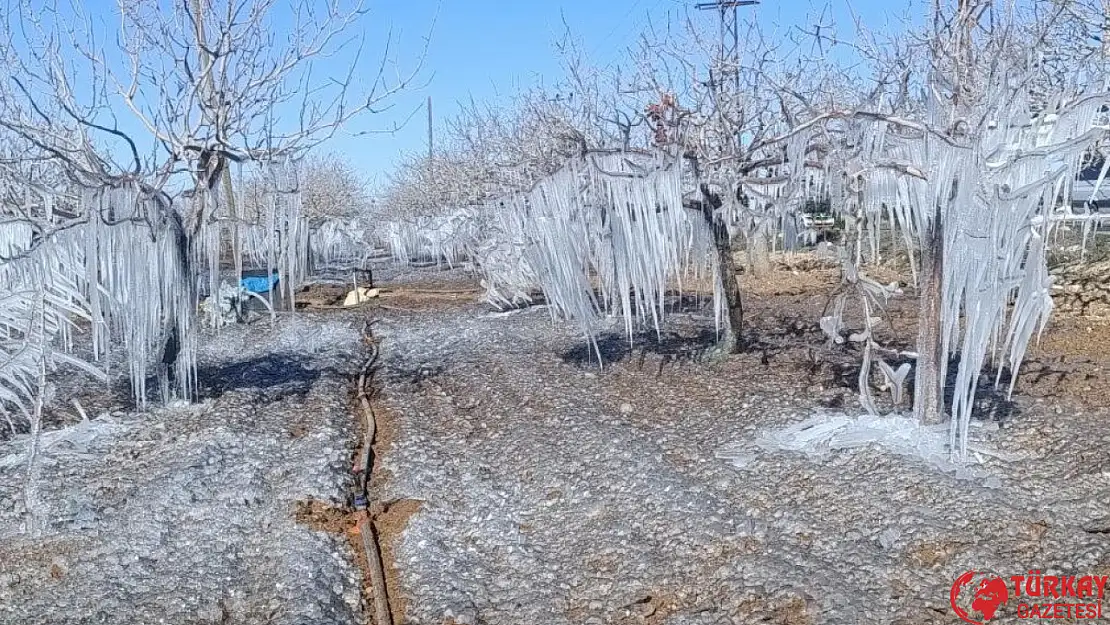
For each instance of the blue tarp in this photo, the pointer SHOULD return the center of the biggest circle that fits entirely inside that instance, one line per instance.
(259, 284)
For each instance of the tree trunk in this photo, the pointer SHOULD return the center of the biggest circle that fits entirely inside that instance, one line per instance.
(733, 341)
(928, 384)
(759, 251)
(233, 213)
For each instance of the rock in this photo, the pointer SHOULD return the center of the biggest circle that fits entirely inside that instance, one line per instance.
(888, 537)
(465, 615)
(359, 295)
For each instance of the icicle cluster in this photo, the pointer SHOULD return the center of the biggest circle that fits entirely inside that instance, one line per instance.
(500, 256)
(446, 238)
(994, 192)
(489, 238)
(287, 248)
(341, 242)
(277, 242)
(607, 234)
(38, 296)
(123, 272)
(142, 269)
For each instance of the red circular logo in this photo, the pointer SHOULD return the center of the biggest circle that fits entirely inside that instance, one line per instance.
(989, 594)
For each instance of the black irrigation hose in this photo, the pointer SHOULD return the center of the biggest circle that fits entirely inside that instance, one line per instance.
(370, 546)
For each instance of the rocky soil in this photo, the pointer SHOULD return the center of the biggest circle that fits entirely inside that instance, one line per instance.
(524, 483)
(186, 514)
(1081, 287)
(555, 491)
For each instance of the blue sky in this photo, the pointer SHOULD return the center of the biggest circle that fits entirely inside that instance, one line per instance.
(487, 49)
(490, 49)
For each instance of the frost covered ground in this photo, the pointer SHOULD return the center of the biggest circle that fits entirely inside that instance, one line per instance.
(555, 492)
(524, 485)
(185, 514)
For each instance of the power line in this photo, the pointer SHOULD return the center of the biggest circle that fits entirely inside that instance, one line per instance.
(624, 20)
(630, 26)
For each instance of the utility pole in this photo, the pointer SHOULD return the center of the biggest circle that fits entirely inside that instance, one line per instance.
(729, 61)
(430, 151)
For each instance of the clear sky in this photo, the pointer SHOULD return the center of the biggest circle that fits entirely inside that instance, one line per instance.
(490, 49)
(487, 49)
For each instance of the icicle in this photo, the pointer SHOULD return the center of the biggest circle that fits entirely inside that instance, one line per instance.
(123, 272)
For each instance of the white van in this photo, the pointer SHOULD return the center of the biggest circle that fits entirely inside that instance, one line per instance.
(1083, 194)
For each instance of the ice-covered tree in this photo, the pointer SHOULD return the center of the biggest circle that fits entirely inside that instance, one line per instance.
(963, 136)
(970, 174)
(120, 147)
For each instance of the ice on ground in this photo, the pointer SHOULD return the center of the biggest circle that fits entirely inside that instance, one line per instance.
(187, 514)
(557, 492)
(74, 439)
(826, 433)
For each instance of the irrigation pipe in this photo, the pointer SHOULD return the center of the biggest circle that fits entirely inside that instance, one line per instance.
(370, 546)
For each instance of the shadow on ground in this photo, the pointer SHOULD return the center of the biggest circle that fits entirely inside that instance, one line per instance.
(841, 370)
(615, 347)
(283, 373)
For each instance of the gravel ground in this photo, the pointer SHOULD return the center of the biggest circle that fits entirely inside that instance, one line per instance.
(184, 514)
(530, 486)
(557, 492)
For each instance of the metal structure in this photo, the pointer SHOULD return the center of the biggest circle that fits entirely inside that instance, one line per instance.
(729, 60)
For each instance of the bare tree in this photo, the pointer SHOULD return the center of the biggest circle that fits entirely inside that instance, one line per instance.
(110, 135)
(961, 136)
(330, 187)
